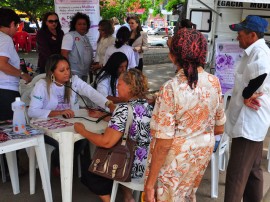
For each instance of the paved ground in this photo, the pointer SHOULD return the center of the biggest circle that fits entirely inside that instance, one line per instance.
(157, 75)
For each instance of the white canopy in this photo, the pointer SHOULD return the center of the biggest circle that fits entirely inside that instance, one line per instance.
(252, 1)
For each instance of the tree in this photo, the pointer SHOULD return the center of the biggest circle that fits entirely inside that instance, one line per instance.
(33, 8)
(178, 7)
(122, 8)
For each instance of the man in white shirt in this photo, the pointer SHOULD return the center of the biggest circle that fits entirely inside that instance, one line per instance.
(248, 113)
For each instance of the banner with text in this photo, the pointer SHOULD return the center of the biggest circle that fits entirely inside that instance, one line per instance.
(228, 54)
(67, 8)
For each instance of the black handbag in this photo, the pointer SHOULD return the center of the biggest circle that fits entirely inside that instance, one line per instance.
(116, 162)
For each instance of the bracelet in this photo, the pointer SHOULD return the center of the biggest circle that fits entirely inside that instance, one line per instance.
(108, 103)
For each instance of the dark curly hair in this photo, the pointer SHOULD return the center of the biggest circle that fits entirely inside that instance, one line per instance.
(45, 18)
(77, 17)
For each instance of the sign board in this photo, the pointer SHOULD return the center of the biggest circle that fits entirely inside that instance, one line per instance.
(228, 54)
(67, 8)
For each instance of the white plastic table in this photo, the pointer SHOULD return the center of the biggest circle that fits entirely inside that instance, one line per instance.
(66, 138)
(37, 146)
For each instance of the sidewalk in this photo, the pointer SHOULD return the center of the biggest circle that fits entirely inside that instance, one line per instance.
(157, 74)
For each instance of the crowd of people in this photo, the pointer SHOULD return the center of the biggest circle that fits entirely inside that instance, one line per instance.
(175, 135)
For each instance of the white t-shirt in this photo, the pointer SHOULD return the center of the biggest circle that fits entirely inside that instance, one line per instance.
(68, 44)
(104, 87)
(116, 27)
(127, 50)
(8, 50)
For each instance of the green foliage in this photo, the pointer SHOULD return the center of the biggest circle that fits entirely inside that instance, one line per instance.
(33, 8)
(122, 8)
(170, 5)
(173, 3)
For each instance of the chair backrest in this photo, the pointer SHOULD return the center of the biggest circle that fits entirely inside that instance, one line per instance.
(27, 89)
(21, 37)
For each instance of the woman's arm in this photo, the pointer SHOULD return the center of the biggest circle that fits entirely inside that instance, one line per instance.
(144, 41)
(65, 53)
(159, 154)
(116, 99)
(11, 70)
(106, 140)
(67, 45)
(218, 130)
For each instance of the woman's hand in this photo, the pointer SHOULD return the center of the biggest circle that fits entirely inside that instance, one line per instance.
(79, 127)
(149, 195)
(26, 77)
(68, 113)
(95, 113)
(95, 67)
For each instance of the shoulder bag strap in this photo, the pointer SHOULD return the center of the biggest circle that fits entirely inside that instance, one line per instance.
(128, 124)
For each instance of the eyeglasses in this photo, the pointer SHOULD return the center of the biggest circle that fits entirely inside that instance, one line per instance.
(52, 21)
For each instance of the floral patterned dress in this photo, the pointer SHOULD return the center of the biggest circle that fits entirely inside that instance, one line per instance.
(187, 116)
(139, 131)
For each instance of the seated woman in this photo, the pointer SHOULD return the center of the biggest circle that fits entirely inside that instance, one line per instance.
(107, 78)
(132, 86)
(53, 95)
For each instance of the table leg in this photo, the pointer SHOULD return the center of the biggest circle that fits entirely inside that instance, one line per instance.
(3, 170)
(43, 168)
(66, 148)
(32, 169)
(13, 171)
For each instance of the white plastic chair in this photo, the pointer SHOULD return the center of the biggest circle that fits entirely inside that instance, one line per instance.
(136, 185)
(268, 157)
(220, 158)
(26, 98)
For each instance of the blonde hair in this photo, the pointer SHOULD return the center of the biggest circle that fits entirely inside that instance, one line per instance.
(137, 81)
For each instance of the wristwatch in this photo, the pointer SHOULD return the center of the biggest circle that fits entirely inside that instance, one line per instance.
(108, 103)
(22, 73)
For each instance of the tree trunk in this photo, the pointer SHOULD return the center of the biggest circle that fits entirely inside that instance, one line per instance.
(181, 11)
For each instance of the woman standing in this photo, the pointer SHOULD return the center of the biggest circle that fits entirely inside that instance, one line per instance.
(10, 72)
(138, 40)
(105, 40)
(187, 114)
(107, 79)
(120, 45)
(49, 39)
(76, 46)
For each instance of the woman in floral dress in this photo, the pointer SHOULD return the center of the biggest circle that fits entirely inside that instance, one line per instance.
(132, 85)
(187, 114)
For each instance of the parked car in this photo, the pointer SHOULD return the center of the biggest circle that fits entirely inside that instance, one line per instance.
(160, 31)
(146, 28)
(161, 42)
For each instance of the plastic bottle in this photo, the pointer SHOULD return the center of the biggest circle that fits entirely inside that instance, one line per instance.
(19, 121)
